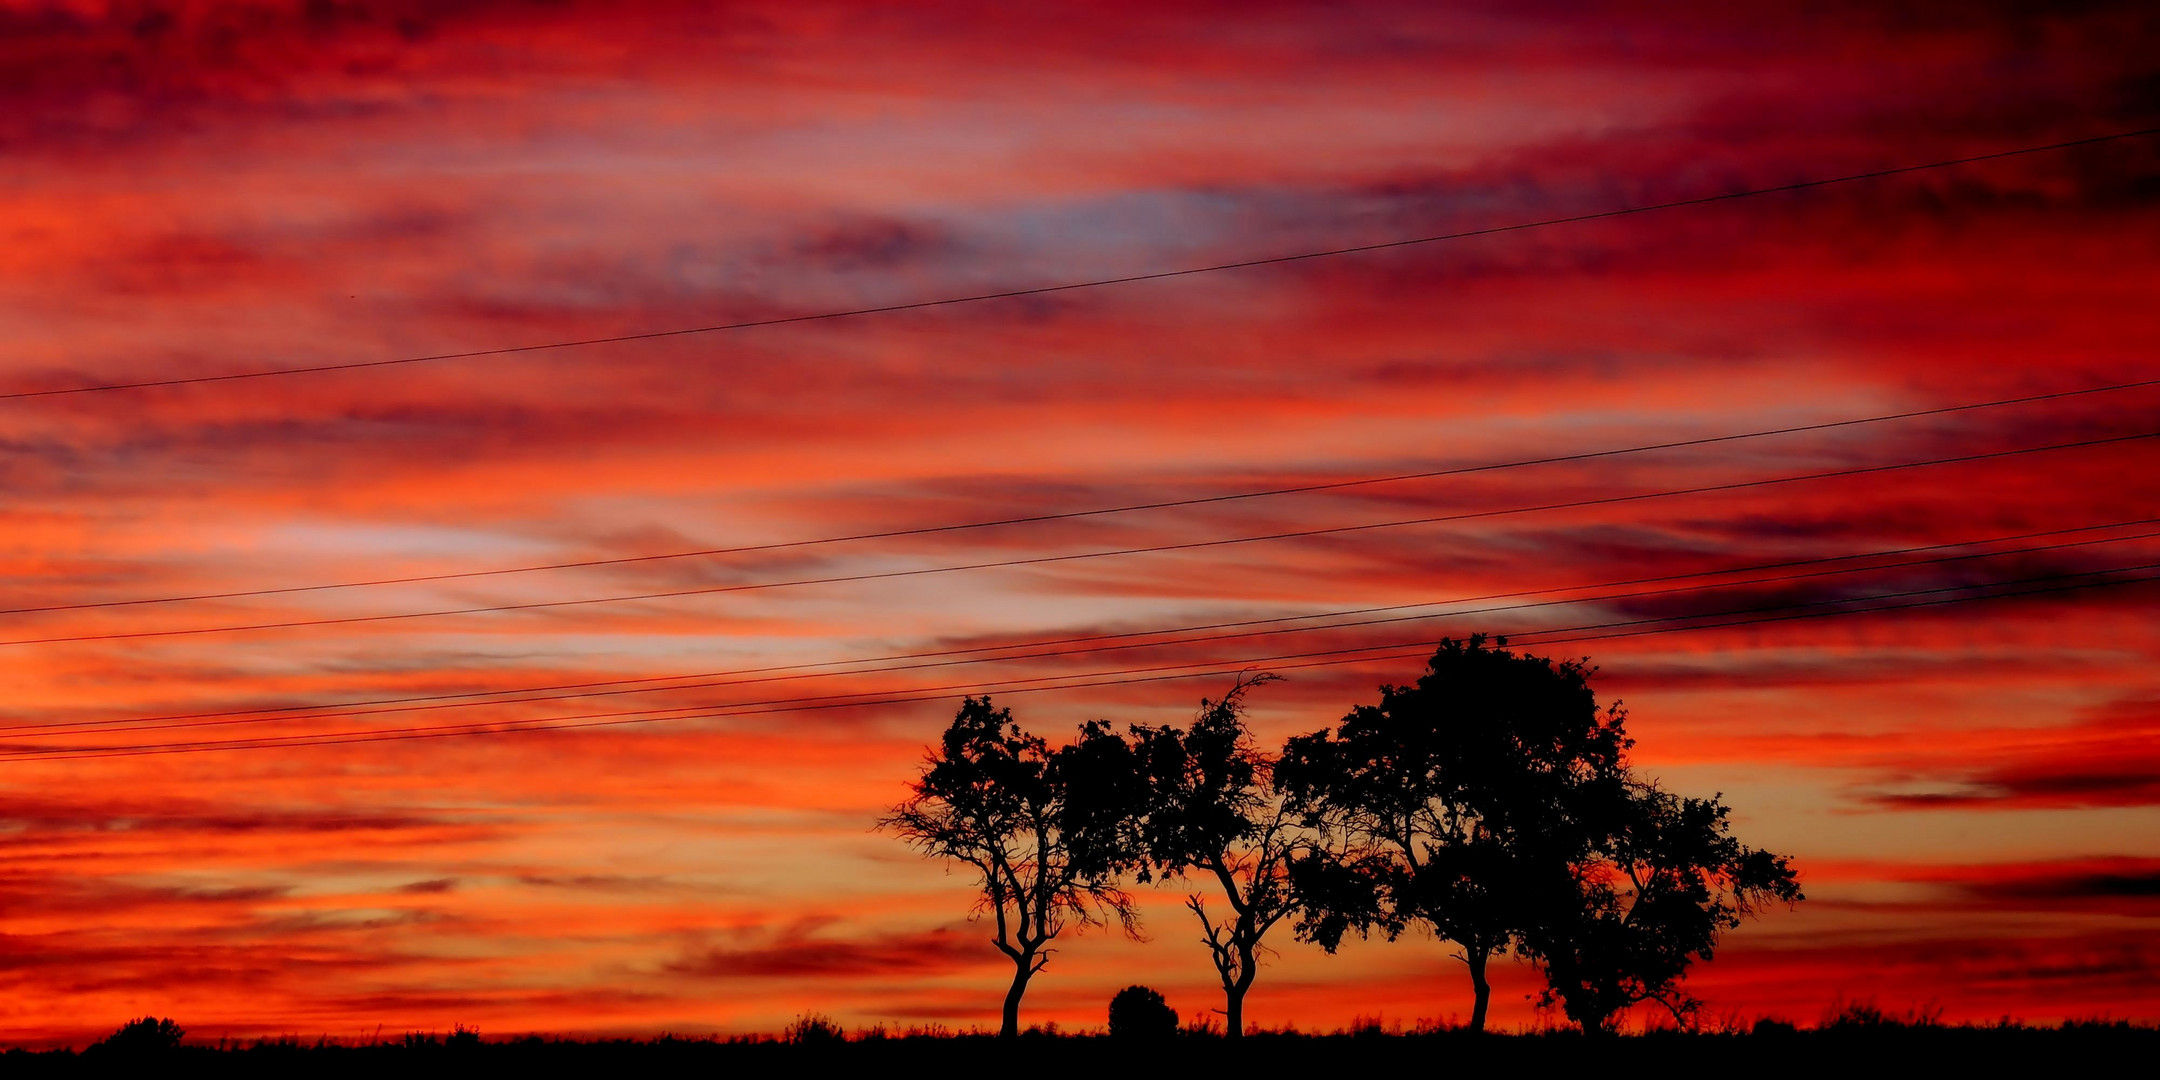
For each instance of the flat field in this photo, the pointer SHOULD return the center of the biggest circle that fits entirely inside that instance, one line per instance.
(1924, 1049)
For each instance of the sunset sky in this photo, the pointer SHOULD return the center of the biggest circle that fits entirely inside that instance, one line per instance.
(1970, 790)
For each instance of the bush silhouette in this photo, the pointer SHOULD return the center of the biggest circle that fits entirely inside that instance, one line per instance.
(1140, 1013)
(813, 1029)
(148, 1035)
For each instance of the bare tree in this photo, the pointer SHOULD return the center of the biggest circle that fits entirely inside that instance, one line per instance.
(1210, 809)
(1039, 828)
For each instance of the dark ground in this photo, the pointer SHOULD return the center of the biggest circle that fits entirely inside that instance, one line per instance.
(1923, 1050)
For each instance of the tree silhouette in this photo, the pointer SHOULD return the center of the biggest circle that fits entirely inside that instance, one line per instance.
(1667, 879)
(1137, 1012)
(1210, 809)
(1044, 831)
(1448, 801)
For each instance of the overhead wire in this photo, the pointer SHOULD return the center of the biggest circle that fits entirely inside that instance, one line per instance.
(1623, 628)
(1091, 283)
(1094, 644)
(1041, 560)
(680, 678)
(1070, 515)
(1197, 501)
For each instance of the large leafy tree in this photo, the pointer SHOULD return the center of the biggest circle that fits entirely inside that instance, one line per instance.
(1443, 804)
(1045, 832)
(1209, 812)
(1667, 878)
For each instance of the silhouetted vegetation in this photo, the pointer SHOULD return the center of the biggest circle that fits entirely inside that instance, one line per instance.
(1858, 1035)
(1048, 845)
(1491, 803)
(1663, 880)
(1138, 1012)
(1209, 808)
(814, 1030)
(1453, 802)
(147, 1036)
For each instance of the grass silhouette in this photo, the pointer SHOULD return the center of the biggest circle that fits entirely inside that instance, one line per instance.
(1849, 1036)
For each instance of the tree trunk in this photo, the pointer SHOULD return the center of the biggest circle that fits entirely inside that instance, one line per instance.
(1234, 989)
(1478, 986)
(1023, 970)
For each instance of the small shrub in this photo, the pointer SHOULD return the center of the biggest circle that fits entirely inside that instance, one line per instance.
(1140, 1013)
(1371, 1027)
(1859, 1016)
(813, 1029)
(148, 1035)
(1856, 1016)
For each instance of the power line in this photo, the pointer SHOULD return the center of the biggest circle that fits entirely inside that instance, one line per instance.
(1301, 655)
(923, 661)
(1093, 283)
(1040, 560)
(680, 679)
(929, 530)
(820, 703)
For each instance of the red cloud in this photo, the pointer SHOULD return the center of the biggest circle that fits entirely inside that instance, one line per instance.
(797, 952)
(2112, 758)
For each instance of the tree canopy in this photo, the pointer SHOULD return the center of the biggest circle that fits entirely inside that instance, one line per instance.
(1047, 843)
(1208, 809)
(1446, 799)
(1665, 880)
